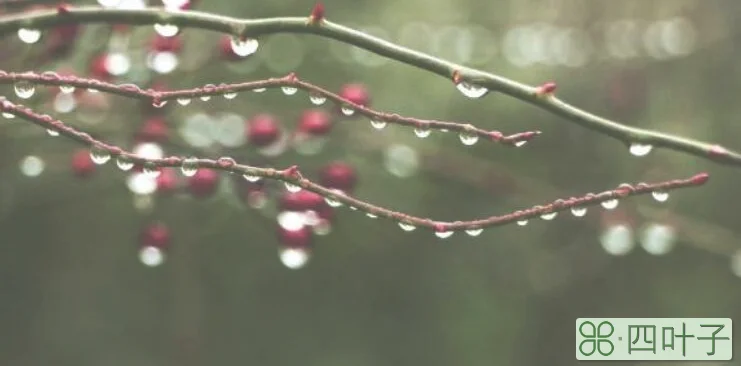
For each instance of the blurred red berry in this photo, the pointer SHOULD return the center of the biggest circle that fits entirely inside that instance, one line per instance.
(154, 129)
(263, 130)
(203, 183)
(338, 175)
(315, 122)
(167, 180)
(98, 68)
(225, 46)
(155, 235)
(295, 238)
(82, 164)
(302, 200)
(166, 44)
(356, 93)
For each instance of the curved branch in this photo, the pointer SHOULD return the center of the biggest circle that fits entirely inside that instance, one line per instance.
(293, 176)
(291, 80)
(461, 75)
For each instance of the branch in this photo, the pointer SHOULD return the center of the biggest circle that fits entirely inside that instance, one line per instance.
(472, 82)
(293, 178)
(159, 98)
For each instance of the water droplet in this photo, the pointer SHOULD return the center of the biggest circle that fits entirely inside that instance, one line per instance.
(443, 234)
(24, 89)
(230, 95)
(468, 138)
(99, 155)
(29, 35)
(520, 143)
(93, 90)
(289, 90)
(370, 215)
(406, 226)
(658, 239)
(52, 133)
(66, 89)
(259, 90)
(610, 204)
(378, 124)
(207, 87)
(640, 149)
(183, 101)
(422, 131)
(8, 115)
(617, 239)
(124, 162)
(158, 103)
(189, 167)
(578, 211)
(474, 232)
(471, 90)
(549, 216)
(348, 111)
(332, 202)
(151, 170)
(290, 187)
(317, 99)
(251, 178)
(151, 256)
(32, 166)
(244, 47)
(522, 222)
(166, 30)
(294, 258)
(660, 196)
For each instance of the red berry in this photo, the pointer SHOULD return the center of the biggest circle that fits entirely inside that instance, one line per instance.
(154, 129)
(98, 69)
(356, 93)
(302, 200)
(315, 122)
(295, 238)
(82, 164)
(338, 175)
(263, 130)
(167, 180)
(166, 44)
(203, 183)
(155, 235)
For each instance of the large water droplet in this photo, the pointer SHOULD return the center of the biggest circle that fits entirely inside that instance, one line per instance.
(32, 166)
(8, 115)
(578, 211)
(294, 258)
(471, 90)
(522, 222)
(549, 216)
(230, 95)
(124, 162)
(520, 143)
(244, 47)
(52, 133)
(378, 124)
(443, 234)
(151, 170)
(610, 204)
(290, 187)
(617, 240)
(660, 196)
(259, 90)
(348, 111)
(24, 89)
(66, 89)
(332, 202)
(166, 30)
(640, 149)
(422, 131)
(317, 99)
(289, 90)
(475, 232)
(372, 216)
(406, 226)
(158, 103)
(151, 256)
(251, 178)
(468, 138)
(189, 167)
(658, 239)
(99, 155)
(29, 35)
(183, 101)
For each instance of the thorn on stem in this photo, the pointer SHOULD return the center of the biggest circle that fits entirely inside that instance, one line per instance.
(700, 179)
(63, 8)
(457, 78)
(317, 15)
(292, 172)
(546, 89)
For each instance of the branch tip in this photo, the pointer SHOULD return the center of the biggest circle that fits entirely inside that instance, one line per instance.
(700, 179)
(546, 89)
(317, 14)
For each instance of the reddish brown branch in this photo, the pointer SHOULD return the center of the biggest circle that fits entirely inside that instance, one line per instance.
(290, 80)
(293, 176)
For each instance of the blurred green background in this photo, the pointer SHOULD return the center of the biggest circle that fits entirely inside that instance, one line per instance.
(73, 291)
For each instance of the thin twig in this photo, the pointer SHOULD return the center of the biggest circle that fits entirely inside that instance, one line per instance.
(159, 98)
(245, 28)
(293, 176)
